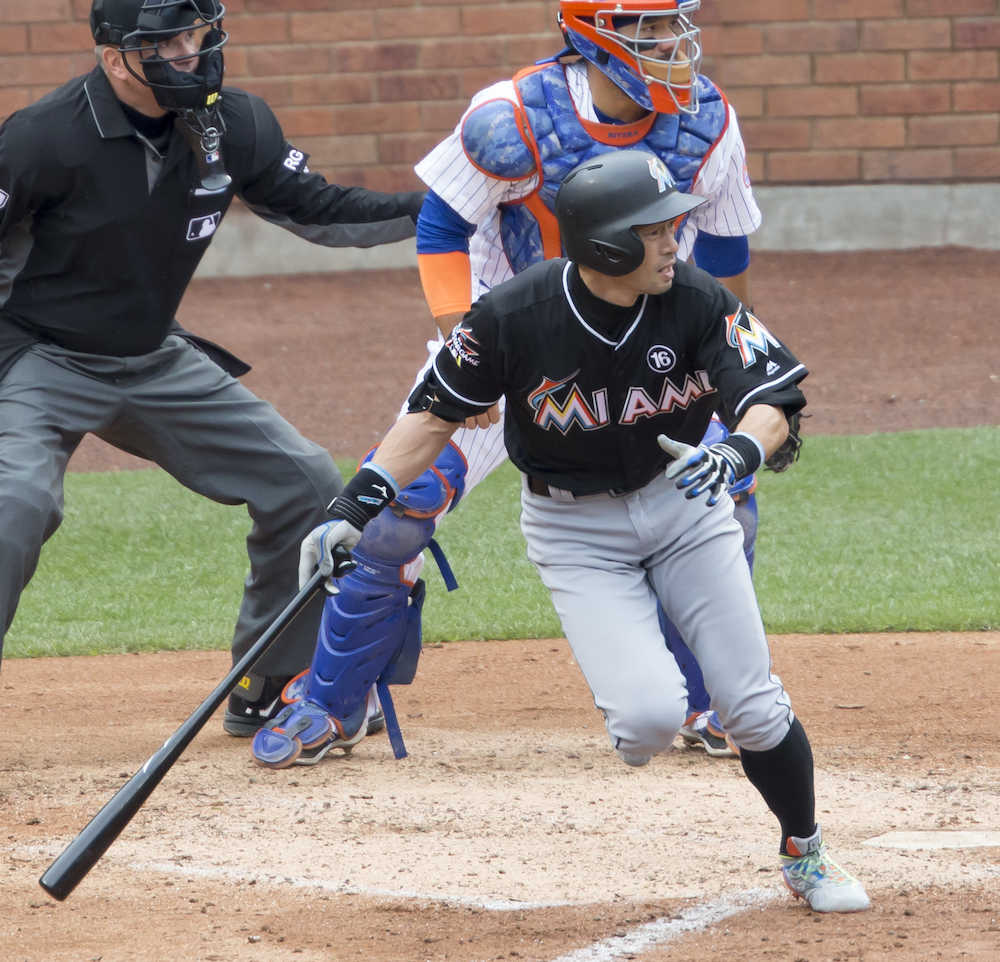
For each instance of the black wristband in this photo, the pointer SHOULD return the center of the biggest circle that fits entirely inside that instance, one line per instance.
(743, 452)
(364, 496)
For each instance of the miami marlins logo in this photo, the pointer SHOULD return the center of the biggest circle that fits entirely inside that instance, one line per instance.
(745, 333)
(658, 171)
(463, 346)
(574, 409)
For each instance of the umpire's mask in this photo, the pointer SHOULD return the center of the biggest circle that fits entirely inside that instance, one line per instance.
(176, 50)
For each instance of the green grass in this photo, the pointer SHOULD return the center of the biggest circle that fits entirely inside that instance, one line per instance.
(890, 532)
(893, 532)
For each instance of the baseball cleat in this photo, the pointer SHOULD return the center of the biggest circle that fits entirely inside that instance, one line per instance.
(244, 717)
(337, 738)
(704, 730)
(300, 726)
(296, 689)
(811, 874)
(633, 759)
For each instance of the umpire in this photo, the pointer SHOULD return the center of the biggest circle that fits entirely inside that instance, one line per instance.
(111, 188)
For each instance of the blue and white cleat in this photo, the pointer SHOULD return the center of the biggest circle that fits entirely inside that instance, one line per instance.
(303, 725)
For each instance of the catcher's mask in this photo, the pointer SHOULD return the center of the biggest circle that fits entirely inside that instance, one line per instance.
(174, 47)
(648, 48)
(601, 202)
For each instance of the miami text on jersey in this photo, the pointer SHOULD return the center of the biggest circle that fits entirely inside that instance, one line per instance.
(575, 409)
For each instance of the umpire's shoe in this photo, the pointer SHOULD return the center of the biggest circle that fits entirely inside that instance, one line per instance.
(254, 702)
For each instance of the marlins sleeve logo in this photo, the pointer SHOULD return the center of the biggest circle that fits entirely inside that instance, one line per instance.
(745, 333)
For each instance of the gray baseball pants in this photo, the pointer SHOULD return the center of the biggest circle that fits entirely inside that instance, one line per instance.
(179, 409)
(606, 560)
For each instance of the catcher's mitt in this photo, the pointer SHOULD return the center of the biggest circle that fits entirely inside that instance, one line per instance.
(788, 453)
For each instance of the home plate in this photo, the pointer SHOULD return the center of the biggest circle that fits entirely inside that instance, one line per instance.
(918, 840)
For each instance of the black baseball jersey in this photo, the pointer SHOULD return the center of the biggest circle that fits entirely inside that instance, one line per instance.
(588, 388)
(100, 231)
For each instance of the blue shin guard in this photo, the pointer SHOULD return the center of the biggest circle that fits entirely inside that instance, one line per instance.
(370, 632)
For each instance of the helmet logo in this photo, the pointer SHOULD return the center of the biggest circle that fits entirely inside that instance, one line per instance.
(658, 171)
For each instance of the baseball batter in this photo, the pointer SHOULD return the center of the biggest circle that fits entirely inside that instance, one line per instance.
(611, 363)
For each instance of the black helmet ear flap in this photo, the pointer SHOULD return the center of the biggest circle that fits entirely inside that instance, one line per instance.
(613, 254)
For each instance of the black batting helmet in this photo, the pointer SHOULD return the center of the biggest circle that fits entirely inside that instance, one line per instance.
(604, 198)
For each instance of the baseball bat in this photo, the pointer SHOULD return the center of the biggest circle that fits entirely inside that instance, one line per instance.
(80, 856)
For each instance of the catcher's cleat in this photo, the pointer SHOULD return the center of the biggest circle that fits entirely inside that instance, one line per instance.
(303, 733)
(811, 874)
(246, 715)
(338, 738)
(704, 730)
(302, 725)
(296, 689)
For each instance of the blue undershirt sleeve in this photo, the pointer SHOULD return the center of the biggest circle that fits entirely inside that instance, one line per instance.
(720, 256)
(440, 230)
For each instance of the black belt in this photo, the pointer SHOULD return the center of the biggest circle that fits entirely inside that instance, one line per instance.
(540, 486)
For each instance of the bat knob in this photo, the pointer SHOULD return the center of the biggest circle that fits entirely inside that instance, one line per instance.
(343, 563)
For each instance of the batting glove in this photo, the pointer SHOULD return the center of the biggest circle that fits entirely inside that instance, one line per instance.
(318, 547)
(711, 469)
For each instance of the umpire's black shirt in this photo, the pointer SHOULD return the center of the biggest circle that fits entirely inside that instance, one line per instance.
(100, 234)
(589, 386)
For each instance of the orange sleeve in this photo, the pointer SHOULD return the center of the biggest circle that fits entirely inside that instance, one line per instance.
(447, 282)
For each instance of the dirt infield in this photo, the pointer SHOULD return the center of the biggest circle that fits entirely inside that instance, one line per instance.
(512, 831)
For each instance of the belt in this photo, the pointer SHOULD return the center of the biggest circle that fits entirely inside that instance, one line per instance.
(538, 486)
(541, 487)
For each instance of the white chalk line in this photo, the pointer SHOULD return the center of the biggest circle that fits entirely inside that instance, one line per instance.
(697, 918)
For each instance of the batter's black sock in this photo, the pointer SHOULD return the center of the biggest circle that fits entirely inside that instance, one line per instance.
(784, 777)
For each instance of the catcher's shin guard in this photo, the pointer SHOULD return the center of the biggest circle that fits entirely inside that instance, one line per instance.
(370, 632)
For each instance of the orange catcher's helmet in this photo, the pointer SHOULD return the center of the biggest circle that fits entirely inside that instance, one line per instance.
(648, 48)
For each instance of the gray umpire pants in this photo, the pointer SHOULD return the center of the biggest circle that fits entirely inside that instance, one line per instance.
(178, 408)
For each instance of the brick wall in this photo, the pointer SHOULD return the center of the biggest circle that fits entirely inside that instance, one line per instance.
(828, 91)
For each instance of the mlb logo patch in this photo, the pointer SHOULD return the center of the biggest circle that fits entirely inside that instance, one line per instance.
(201, 228)
(4, 197)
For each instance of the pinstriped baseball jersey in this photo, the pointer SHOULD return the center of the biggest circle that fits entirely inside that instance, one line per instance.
(476, 195)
